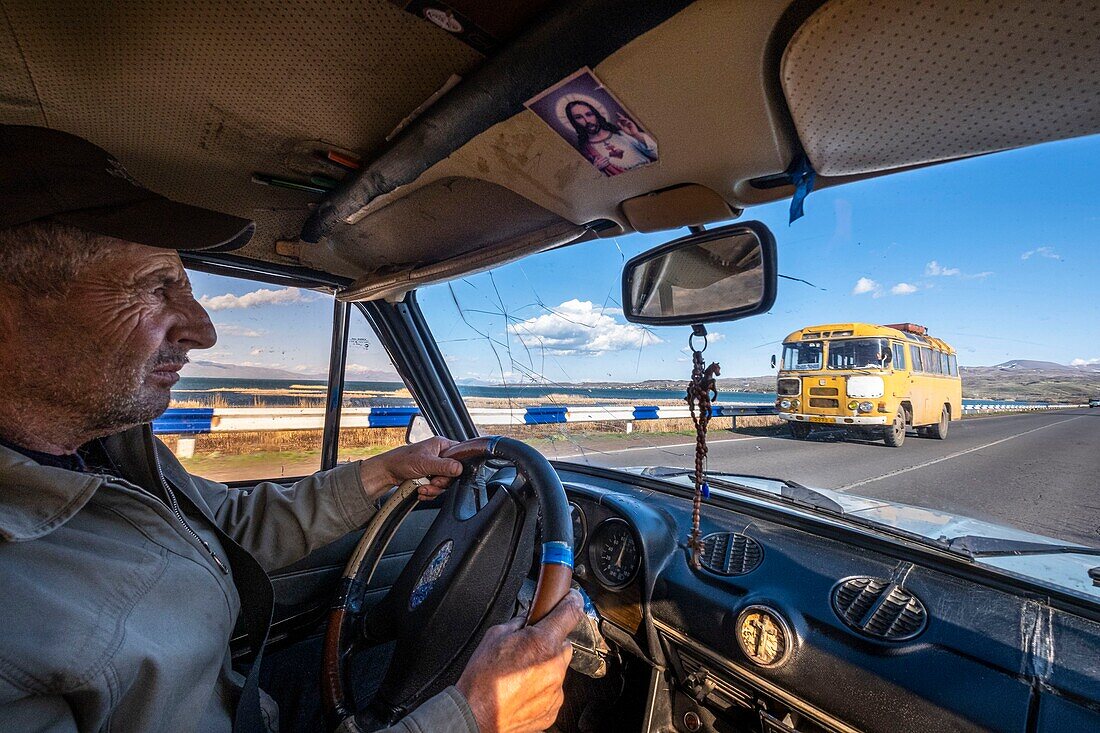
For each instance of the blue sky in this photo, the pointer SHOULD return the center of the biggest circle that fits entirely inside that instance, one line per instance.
(997, 255)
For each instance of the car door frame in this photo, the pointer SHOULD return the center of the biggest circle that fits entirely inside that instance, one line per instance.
(403, 333)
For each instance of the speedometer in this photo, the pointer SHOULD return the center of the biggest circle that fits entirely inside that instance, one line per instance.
(613, 553)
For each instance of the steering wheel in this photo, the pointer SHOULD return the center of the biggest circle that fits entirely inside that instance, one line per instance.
(463, 578)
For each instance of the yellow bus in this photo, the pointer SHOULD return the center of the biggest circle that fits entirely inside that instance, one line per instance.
(880, 380)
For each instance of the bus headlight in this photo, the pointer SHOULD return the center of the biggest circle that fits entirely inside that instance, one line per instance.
(785, 404)
(866, 407)
(853, 405)
(795, 403)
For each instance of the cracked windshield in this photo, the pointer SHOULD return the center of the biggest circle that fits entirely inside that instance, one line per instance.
(929, 361)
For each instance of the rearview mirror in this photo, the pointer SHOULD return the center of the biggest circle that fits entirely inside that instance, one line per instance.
(718, 275)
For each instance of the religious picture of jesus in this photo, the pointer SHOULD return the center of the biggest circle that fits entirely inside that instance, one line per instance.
(587, 116)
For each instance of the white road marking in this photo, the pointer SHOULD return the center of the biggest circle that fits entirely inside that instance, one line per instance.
(900, 471)
(660, 447)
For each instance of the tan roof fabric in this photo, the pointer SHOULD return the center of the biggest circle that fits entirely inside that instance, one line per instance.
(195, 96)
(880, 84)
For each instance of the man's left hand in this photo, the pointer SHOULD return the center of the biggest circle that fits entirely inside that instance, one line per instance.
(411, 461)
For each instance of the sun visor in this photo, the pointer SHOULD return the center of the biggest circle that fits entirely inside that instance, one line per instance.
(874, 85)
(445, 229)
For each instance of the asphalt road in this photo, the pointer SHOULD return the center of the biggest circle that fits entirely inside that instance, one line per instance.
(1039, 472)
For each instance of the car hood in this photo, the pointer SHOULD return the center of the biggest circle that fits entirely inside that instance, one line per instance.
(1066, 571)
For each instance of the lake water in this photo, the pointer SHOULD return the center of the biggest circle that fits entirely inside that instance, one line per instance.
(238, 393)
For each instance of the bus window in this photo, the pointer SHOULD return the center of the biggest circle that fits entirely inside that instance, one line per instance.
(914, 351)
(937, 362)
(858, 353)
(802, 356)
(899, 357)
(926, 359)
(954, 365)
(945, 366)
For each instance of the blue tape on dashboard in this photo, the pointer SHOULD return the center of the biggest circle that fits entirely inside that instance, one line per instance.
(557, 553)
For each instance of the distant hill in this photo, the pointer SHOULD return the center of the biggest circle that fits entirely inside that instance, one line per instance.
(211, 369)
(1030, 365)
(1018, 379)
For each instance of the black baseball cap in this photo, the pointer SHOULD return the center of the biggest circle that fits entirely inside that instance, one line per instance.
(47, 173)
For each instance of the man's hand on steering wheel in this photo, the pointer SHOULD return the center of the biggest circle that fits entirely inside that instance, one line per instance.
(382, 472)
(513, 681)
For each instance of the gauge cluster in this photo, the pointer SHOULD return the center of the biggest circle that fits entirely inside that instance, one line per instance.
(605, 546)
(613, 553)
(608, 557)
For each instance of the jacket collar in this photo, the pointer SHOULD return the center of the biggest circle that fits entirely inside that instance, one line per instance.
(35, 499)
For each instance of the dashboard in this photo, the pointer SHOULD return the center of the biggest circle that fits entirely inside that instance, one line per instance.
(787, 629)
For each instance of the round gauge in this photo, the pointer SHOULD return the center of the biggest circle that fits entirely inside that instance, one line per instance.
(579, 528)
(613, 553)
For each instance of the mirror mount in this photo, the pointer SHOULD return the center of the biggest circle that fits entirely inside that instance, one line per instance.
(709, 276)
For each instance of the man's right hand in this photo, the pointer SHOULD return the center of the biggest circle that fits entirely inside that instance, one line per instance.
(513, 681)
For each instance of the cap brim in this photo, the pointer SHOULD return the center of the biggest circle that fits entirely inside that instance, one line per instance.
(160, 222)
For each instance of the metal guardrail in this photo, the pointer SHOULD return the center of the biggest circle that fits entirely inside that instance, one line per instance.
(196, 421)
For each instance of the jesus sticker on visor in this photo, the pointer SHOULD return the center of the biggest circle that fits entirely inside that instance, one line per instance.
(587, 116)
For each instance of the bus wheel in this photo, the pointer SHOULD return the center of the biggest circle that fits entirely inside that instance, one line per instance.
(799, 430)
(894, 435)
(939, 430)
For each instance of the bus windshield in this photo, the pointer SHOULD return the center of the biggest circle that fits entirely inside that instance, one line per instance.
(859, 354)
(802, 356)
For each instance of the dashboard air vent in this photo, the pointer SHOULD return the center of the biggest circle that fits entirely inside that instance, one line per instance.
(727, 553)
(879, 608)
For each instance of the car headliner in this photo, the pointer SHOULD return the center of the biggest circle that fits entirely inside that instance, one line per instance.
(195, 97)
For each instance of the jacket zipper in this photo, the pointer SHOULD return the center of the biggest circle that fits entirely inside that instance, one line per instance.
(173, 504)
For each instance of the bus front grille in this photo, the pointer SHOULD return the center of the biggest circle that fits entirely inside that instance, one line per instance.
(824, 391)
(822, 402)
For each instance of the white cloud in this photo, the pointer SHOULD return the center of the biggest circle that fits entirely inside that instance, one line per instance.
(934, 269)
(904, 289)
(1085, 362)
(229, 329)
(866, 285)
(1047, 252)
(579, 327)
(256, 298)
(712, 337)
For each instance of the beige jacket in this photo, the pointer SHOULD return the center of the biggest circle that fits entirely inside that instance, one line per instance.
(113, 616)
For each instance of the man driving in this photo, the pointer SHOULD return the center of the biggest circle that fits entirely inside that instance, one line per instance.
(123, 576)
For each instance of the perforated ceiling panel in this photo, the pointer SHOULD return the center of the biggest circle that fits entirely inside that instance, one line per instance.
(195, 95)
(880, 84)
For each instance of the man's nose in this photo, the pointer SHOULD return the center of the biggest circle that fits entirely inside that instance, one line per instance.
(195, 330)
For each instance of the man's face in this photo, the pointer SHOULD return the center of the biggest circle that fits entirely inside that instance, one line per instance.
(584, 116)
(111, 349)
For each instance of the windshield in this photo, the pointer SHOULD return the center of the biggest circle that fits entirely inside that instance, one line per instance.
(981, 414)
(802, 356)
(859, 354)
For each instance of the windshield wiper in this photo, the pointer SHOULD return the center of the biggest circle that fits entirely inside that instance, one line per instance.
(796, 493)
(976, 546)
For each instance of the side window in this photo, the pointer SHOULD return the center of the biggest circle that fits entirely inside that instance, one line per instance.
(954, 365)
(945, 366)
(937, 367)
(252, 407)
(899, 357)
(377, 406)
(926, 359)
(914, 351)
